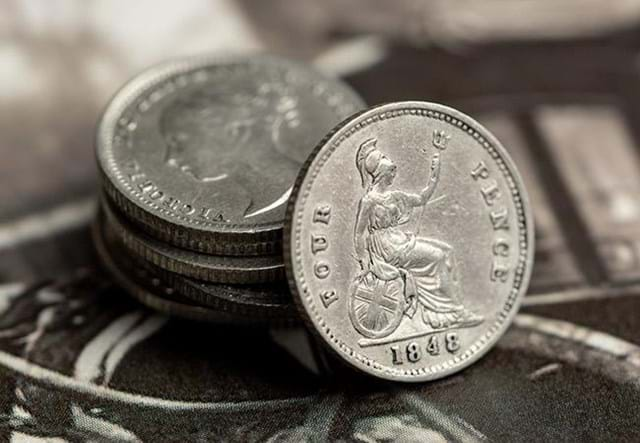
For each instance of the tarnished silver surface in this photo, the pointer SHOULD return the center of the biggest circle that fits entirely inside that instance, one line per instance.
(260, 302)
(149, 289)
(203, 152)
(409, 241)
(207, 267)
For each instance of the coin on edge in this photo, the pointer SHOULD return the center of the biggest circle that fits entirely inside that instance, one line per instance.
(409, 241)
(203, 152)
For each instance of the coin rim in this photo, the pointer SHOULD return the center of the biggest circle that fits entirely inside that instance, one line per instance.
(225, 308)
(146, 296)
(229, 269)
(291, 240)
(134, 204)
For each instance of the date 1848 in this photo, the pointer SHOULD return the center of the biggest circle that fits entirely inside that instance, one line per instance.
(413, 352)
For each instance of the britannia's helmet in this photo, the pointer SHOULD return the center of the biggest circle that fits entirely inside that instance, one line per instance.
(368, 162)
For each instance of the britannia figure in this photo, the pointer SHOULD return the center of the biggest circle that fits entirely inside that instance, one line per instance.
(423, 269)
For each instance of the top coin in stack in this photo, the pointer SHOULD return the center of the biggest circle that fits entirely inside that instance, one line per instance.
(202, 153)
(409, 241)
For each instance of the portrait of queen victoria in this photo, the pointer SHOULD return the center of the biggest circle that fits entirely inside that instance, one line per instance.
(238, 136)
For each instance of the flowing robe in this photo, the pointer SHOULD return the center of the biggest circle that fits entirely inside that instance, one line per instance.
(425, 265)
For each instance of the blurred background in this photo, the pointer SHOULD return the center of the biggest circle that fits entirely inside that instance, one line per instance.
(557, 82)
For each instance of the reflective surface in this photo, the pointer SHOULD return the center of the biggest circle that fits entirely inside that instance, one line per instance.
(409, 241)
(204, 152)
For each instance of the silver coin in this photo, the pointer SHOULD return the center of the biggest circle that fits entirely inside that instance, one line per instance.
(203, 152)
(262, 302)
(236, 303)
(207, 267)
(149, 289)
(409, 240)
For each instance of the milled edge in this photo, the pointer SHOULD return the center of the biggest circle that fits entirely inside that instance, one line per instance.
(208, 242)
(219, 272)
(223, 309)
(145, 296)
(525, 224)
(174, 308)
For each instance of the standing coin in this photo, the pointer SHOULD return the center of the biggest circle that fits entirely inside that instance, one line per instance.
(409, 241)
(203, 152)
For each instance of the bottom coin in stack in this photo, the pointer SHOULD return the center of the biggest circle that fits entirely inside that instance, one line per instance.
(157, 291)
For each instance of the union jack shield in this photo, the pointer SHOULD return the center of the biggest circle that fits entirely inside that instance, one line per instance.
(376, 306)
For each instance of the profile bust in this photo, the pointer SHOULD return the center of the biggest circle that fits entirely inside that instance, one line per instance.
(234, 133)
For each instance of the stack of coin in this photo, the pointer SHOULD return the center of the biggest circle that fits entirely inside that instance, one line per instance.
(407, 236)
(198, 159)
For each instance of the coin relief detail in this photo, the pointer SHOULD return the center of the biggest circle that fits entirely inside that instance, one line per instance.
(403, 252)
(205, 152)
(217, 134)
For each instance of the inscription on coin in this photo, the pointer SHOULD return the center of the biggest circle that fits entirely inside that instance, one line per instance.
(401, 248)
(319, 244)
(413, 353)
(141, 182)
(498, 217)
(204, 152)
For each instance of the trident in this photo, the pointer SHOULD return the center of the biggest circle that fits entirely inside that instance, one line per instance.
(439, 141)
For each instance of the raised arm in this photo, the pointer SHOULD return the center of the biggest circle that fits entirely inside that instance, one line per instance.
(430, 188)
(427, 192)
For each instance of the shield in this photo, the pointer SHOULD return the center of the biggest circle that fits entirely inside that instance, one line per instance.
(376, 306)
